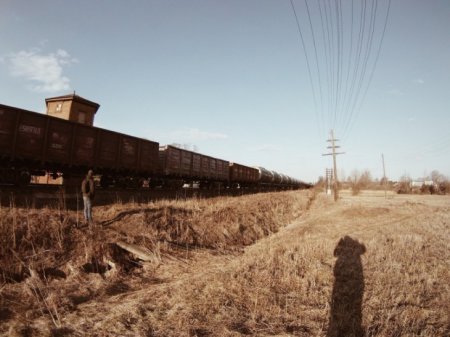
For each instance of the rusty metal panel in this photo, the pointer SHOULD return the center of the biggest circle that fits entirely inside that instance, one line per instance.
(219, 169)
(162, 159)
(212, 168)
(173, 160)
(170, 160)
(59, 141)
(128, 152)
(222, 169)
(225, 175)
(233, 173)
(84, 150)
(186, 163)
(254, 174)
(30, 135)
(7, 130)
(243, 174)
(205, 168)
(196, 165)
(149, 155)
(108, 149)
(177, 162)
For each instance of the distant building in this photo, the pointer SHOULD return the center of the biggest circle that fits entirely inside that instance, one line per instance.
(419, 184)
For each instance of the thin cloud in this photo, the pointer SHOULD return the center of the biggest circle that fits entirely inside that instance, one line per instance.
(194, 134)
(43, 72)
(418, 81)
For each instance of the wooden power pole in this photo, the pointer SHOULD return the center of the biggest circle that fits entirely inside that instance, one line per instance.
(333, 153)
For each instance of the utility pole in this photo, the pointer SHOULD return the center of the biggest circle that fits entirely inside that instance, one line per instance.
(333, 153)
(329, 178)
(384, 177)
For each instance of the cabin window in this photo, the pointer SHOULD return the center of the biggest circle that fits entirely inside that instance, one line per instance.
(82, 117)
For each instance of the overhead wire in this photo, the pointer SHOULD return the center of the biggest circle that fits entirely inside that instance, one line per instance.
(327, 55)
(334, 65)
(307, 59)
(345, 57)
(368, 48)
(356, 66)
(375, 61)
(317, 59)
(350, 53)
(339, 43)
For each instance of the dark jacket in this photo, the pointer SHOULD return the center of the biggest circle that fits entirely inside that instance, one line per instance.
(88, 187)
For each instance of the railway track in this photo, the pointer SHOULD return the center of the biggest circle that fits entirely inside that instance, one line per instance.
(39, 196)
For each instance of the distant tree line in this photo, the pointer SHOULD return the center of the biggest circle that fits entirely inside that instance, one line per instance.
(435, 183)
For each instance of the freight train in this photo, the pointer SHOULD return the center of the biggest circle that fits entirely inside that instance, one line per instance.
(33, 144)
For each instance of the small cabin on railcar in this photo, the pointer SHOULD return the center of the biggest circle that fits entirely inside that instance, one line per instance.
(73, 108)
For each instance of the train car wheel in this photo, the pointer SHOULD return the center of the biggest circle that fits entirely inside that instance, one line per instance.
(23, 178)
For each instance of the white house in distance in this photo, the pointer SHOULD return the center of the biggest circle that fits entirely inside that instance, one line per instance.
(419, 183)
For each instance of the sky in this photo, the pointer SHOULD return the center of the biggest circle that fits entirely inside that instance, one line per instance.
(241, 81)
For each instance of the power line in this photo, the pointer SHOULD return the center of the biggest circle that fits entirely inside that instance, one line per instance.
(317, 59)
(376, 60)
(327, 52)
(306, 56)
(343, 43)
(339, 42)
(334, 65)
(350, 53)
(357, 57)
(371, 29)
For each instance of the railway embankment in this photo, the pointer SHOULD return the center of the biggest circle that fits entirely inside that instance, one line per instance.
(70, 198)
(51, 262)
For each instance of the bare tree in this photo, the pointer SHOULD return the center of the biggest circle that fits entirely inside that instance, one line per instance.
(359, 181)
(404, 185)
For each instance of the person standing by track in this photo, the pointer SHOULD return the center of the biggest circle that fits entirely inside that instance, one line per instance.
(88, 190)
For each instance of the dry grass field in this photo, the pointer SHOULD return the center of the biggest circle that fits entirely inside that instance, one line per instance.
(275, 264)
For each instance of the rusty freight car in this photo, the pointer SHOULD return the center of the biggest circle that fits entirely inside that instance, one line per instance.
(31, 142)
(65, 142)
(241, 175)
(190, 166)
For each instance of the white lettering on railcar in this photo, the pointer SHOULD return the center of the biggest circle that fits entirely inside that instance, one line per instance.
(128, 147)
(30, 129)
(56, 146)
